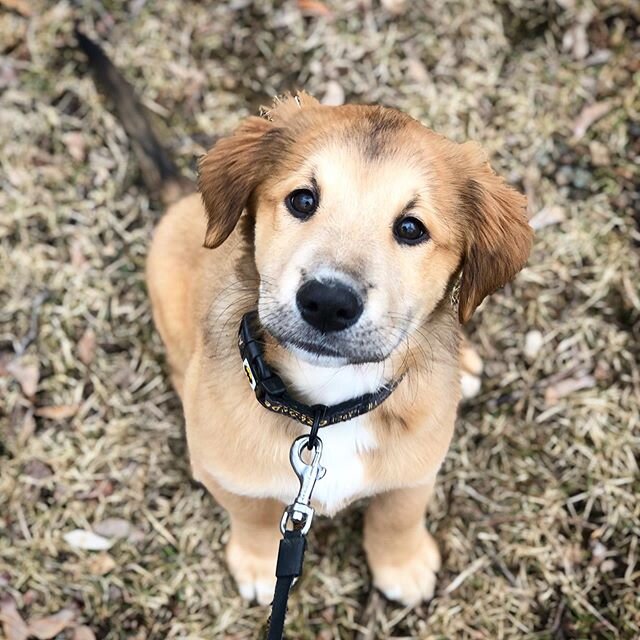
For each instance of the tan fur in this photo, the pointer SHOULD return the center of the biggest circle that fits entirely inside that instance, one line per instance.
(369, 162)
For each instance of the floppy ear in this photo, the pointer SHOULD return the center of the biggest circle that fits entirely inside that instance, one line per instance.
(499, 239)
(228, 175)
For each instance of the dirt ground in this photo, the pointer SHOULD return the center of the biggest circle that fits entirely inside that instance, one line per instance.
(537, 509)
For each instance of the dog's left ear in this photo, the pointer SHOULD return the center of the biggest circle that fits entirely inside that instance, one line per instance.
(499, 237)
(230, 172)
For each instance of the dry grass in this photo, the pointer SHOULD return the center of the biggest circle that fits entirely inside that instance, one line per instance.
(537, 509)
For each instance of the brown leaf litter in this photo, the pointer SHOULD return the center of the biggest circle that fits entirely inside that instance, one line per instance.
(543, 470)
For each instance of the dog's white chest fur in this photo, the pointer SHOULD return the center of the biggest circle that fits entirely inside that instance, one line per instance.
(343, 446)
(345, 443)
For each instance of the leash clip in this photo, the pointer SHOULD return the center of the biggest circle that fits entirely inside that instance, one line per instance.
(300, 512)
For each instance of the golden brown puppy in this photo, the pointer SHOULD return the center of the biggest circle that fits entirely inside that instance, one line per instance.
(347, 228)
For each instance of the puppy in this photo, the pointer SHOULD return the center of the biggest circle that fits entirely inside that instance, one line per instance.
(363, 240)
(348, 229)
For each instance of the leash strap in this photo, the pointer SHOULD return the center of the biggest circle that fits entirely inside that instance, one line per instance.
(272, 393)
(294, 526)
(288, 568)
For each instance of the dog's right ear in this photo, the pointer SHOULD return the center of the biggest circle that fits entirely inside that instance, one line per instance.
(229, 173)
(499, 236)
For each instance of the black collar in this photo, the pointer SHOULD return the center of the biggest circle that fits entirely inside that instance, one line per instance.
(272, 394)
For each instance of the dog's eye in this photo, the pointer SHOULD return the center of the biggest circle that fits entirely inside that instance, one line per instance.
(410, 230)
(302, 203)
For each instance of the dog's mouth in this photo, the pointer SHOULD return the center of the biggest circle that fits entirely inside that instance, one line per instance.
(324, 349)
(312, 348)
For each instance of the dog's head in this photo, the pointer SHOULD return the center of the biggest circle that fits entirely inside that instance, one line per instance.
(363, 220)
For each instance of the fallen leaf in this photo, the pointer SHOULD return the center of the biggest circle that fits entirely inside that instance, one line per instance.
(8, 75)
(608, 565)
(533, 342)
(599, 57)
(328, 614)
(599, 153)
(19, 6)
(5, 359)
(395, 7)
(590, 114)
(81, 539)
(417, 71)
(113, 528)
(50, 626)
(76, 145)
(27, 429)
(602, 370)
(15, 628)
(598, 552)
(101, 564)
(575, 40)
(87, 347)
(102, 489)
(83, 633)
(334, 94)
(136, 536)
(78, 259)
(37, 469)
(17, 177)
(59, 412)
(547, 216)
(566, 387)
(28, 375)
(314, 8)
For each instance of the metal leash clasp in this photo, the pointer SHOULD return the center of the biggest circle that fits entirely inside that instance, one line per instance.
(300, 512)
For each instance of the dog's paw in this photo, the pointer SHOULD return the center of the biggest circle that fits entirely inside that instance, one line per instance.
(471, 366)
(255, 576)
(412, 581)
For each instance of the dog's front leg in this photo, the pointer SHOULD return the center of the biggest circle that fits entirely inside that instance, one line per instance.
(402, 554)
(252, 549)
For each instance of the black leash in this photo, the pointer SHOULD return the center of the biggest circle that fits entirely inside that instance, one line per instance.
(272, 394)
(288, 568)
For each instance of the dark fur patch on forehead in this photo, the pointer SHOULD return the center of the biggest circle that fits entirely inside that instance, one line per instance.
(378, 128)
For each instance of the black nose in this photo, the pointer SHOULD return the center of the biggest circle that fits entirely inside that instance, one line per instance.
(329, 306)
